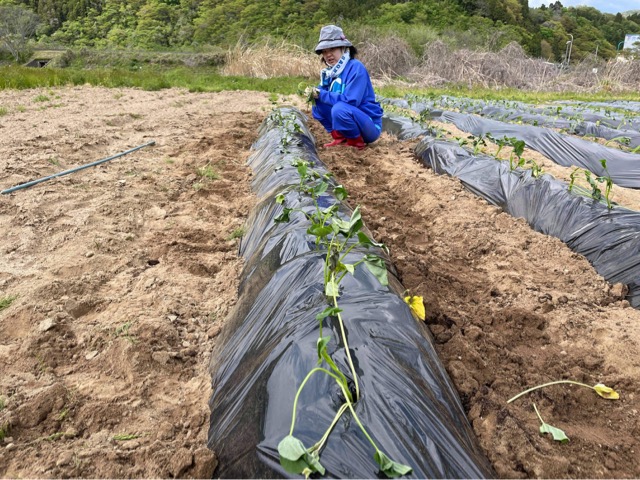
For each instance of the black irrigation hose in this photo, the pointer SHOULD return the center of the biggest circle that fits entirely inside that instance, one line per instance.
(75, 169)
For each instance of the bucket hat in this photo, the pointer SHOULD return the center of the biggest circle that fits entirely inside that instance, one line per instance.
(332, 36)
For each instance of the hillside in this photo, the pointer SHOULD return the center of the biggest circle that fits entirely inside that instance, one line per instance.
(199, 24)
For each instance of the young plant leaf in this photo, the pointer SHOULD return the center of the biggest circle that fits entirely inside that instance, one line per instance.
(328, 312)
(284, 216)
(339, 226)
(367, 242)
(377, 266)
(320, 188)
(355, 223)
(302, 167)
(340, 192)
(390, 468)
(331, 289)
(280, 199)
(295, 458)
(322, 347)
(518, 146)
(319, 230)
(345, 267)
(606, 392)
(558, 435)
(416, 304)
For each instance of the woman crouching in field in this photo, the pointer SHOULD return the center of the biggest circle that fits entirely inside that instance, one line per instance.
(345, 101)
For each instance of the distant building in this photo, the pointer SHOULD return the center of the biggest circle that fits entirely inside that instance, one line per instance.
(631, 42)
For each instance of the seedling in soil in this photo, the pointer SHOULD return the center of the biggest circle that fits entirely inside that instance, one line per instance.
(557, 434)
(601, 389)
(596, 192)
(123, 331)
(208, 172)
(337, 237)
(477, 143)
(516, 153)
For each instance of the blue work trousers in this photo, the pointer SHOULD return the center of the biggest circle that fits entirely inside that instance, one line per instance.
(350, 121)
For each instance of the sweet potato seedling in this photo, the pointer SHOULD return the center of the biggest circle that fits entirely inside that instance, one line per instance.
(557, 434)
(337, 237)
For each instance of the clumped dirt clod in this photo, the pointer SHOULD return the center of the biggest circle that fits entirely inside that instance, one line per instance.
(124, 273)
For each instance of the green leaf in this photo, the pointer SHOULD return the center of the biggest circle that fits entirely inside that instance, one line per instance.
(284, 216)
(367, 242)
(319, 230)
(328, 312)
(291, 448)
(355, 223)
(557, 434)
(377, 266)
(302, 168)
(322, 347)
(348, 267)
(280, 199)
(320, 188)
(340, 225)
(295, 458)
(390, 468)
(340, 192)
(331, 289)
(518, 147)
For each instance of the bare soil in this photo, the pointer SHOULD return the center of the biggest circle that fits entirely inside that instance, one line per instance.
(122, 276)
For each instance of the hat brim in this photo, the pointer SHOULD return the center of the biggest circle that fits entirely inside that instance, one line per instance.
(332, 44)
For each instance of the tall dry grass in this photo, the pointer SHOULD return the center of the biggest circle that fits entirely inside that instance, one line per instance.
(387, 57)
(270, 59)
(391, 59)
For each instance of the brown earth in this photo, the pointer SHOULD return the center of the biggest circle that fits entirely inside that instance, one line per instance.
(123, 275)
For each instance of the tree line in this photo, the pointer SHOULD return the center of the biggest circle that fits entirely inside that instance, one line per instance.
(196, 24)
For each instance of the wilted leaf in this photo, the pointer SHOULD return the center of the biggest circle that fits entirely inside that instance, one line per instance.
(416, 304)
(390, 468)
(606, 392)
(295, 458)
(340, 192)
(377, 266)
(331, 290)
(558, 435)
(284, 216)
(322, 347)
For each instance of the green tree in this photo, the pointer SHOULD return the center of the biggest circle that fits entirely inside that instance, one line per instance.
(17, 26)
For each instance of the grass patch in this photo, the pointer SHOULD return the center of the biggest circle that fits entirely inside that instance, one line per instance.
(392, 91)
(193, 79)
(3, 111)
(5, 302)
(3, 403)
(41, 98)
(237, 233)
(208, 172)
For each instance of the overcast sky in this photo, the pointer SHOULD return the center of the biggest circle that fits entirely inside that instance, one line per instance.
(606, 6)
